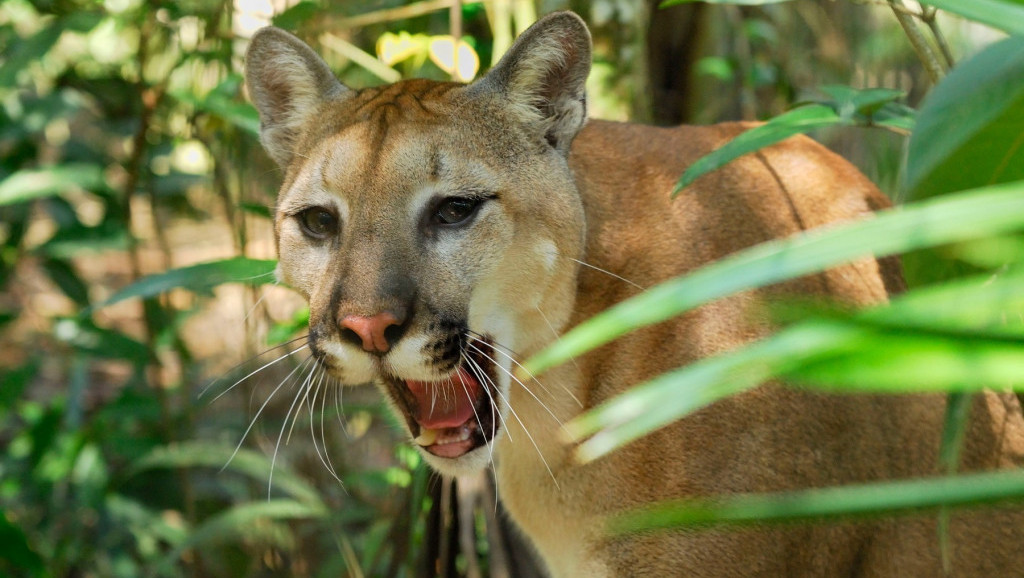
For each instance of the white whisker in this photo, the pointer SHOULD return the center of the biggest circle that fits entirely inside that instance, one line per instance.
(516, 416)
(483, 379)
(338, 390)
(254, 306)
(325, 458)
(304, 388)
(571, 359)
(523, 385)
(260, 411)
(606, 272)
(286, 355)
(490, 447)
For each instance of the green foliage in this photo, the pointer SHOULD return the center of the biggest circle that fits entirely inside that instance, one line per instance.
(906, 497)
(954, 337)
(848, 107)
(667, 3)
(983, 99)
(121, 120)
(200, 278)
(967, 215)
(1005, 15)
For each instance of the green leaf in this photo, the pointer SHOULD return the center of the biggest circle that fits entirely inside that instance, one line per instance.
(667, 3)
(963, 216)
(16, 554)
(796, 121)
(978, 323)
(200, 278)
(242, 521)
(882, 361)
(75, 240)
(291, 18)
(240, 114)
(30, 184)
(63, 274)
(23, 52)
(257, 209)
(882, 498)
(15, 381)
(848, 101)
(670, 396)
(285, 330)
(1007, 15)
(86, 337)
(246, 462)
(970, 129)
(223, 105)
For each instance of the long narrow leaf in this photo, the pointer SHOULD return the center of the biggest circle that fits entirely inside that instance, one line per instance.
(953, 337)
(30, 184)
(963, 216)
(246, 462)
(201, 278)
(884, 498)
(1007, 15)
(796, 121)
(973, 118)
(242, 521)
(672, 395)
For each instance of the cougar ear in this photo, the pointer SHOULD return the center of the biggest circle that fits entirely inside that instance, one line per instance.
(543, 77)
(287, 83)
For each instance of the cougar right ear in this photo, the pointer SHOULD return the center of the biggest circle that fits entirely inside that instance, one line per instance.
(543, 77)
(287, 82)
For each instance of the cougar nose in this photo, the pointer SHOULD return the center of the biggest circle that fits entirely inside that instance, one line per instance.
(370, 330)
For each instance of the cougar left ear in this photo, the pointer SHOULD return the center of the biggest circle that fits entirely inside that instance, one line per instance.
(287, 82)
(543, 77)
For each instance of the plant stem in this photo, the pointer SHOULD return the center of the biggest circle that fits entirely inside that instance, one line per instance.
(928, 16)
(924, 52)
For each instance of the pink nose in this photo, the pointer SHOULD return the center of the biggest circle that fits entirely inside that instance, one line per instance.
(371, 330)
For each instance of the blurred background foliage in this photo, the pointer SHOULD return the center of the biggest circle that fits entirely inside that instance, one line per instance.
(140, 413)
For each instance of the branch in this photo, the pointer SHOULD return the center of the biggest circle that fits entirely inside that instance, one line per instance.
(924, 52)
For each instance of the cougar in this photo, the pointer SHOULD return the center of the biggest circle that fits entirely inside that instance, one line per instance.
(443, 233)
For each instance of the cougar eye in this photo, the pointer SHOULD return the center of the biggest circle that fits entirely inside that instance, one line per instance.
(318, 223)
(455, 210)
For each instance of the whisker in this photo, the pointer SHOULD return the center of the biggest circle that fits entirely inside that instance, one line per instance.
(338, 390)
(260, 411)
(323, 434)
(490, 447)
(571, 359)
(277, 446)
(254, 306)
(609, 273)
(285, 344)
(515, 379)
(303, 393)
(325, 459)
(498, 348)
(516, 416)
(481, 377)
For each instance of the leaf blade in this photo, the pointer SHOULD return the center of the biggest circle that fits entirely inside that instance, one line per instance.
(968, 215)
(797, 121)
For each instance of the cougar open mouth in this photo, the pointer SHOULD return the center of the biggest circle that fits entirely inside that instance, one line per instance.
(453, 416)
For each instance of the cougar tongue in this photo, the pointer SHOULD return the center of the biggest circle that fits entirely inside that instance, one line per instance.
(440, 405)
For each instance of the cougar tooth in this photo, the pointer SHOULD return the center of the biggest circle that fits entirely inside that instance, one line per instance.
(427, 436)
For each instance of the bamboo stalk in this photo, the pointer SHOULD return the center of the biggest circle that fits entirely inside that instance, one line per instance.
(399, 13)
(920, 44)
(357, 55)
(929, 18)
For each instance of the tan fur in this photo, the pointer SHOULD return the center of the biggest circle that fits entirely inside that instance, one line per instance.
(377, 158)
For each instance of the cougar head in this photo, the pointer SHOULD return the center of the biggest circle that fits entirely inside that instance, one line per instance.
(431, 226)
